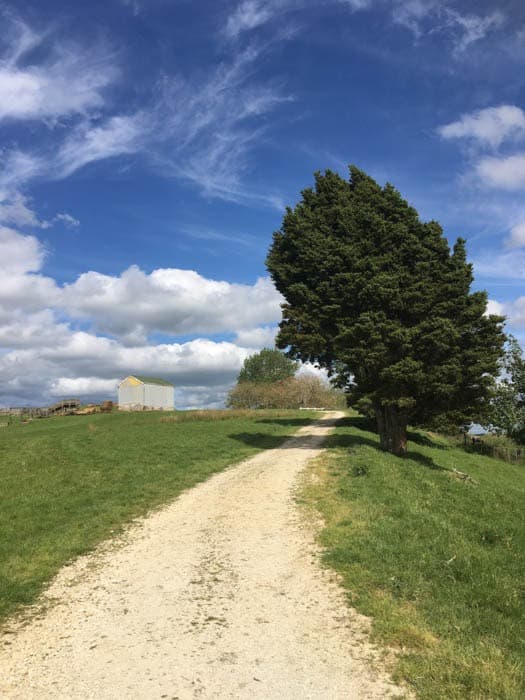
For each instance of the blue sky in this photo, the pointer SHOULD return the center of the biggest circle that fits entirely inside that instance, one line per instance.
(149, 147)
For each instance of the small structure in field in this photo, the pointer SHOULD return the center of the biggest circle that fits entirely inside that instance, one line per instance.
(138, 393)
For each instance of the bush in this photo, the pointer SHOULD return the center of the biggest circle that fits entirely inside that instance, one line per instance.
(294, 392)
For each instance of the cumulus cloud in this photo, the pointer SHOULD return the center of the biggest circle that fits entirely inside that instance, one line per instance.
(263, 337)
(24, 329)
(44, 355)
(513, 310)
(18, 253)
(15, 209)
(502, 172)
(83, 386)
(169, 301)
(495, 308)
(88, 365)
(491, 126)
(517, 236)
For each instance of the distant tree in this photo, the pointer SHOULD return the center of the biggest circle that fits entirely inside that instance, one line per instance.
(267, 366)
(293, 392)
(376, 296)
(508, 403)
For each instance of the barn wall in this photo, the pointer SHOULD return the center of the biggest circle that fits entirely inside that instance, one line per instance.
(130, 396)
(160, 397)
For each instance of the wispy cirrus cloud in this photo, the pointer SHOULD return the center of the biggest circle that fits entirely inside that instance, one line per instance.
(67, 80)
(202, 132)
(421, 17)
(248, 15)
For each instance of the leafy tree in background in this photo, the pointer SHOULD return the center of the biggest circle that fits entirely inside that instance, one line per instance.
(295, 392)
(376, 296)
(267, 366)
(508, 403)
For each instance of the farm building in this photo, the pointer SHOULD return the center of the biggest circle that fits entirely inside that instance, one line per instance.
(145, 394)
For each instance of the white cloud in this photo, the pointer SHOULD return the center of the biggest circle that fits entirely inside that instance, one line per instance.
(513, 310)
(421, 17)
(43, 354)
(516, 312)
(248, 15)
(18, 167)
(507, 266)
(491, 126)
(412, 13)
(68, 80)
(15, 210)
(170, 301)
(259, 338)
(83, 386)
(88, 365)
(199, 129)
(495, 308)
(66, 219)
(517, 236)
(18, 253)
(505, 172)
(90, 142)
(473, 28)
(207, 129)
(307, 369)
(23, 329)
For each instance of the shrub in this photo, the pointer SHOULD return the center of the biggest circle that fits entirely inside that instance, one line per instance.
(295, 392)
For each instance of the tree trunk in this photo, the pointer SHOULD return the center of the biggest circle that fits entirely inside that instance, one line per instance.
(392, 428)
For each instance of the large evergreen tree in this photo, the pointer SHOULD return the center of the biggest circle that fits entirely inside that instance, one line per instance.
(376, 296)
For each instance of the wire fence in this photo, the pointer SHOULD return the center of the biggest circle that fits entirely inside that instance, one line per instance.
(514, 455)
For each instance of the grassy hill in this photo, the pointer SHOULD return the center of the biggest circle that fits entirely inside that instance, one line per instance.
(68, 483)
(437, 559)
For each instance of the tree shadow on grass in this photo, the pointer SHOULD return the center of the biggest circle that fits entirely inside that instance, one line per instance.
(426, 441)
(348, 442)
(299, 422)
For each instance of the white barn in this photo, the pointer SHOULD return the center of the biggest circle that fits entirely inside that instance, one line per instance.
(137, 393)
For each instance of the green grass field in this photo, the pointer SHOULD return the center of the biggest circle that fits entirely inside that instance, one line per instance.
(438, 562)
(68, 483)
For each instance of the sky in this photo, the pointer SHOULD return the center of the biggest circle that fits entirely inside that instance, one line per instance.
(148, 149)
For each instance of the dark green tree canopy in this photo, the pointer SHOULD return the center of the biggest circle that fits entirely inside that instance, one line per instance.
(376, 295)
(267, 366)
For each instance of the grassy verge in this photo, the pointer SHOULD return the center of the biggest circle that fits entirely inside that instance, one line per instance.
(437, 560)
(68, 483)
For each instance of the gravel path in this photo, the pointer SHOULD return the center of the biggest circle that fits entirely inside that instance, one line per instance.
(218, 595)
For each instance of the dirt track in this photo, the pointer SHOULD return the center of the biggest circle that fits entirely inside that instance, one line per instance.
(218, 595)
